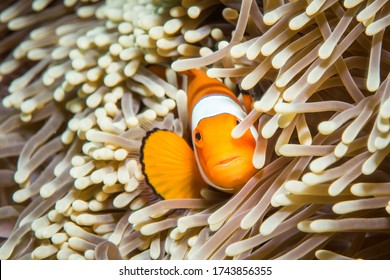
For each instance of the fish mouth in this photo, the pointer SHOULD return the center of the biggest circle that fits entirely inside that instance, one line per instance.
(223, 163)
(227, 161)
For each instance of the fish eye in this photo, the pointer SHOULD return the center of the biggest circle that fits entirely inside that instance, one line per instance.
(198, 136)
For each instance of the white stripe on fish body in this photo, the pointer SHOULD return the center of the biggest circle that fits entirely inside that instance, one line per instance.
(216, 104)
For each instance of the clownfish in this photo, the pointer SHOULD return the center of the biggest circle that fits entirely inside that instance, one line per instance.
(175, 170)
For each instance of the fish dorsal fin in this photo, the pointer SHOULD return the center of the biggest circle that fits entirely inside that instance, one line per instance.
(200, 85)
(248, 101)
(169, 165)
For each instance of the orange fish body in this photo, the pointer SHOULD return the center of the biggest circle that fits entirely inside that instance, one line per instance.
(223, 162)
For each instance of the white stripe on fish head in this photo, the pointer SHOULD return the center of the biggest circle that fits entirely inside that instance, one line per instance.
(213, 105)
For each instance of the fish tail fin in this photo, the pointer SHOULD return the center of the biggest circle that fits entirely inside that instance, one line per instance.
(159, 70)
(169, 166)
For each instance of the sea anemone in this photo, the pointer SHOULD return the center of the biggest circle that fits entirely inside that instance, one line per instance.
(78, 97)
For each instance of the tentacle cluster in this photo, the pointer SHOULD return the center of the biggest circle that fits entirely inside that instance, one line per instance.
(78, 97)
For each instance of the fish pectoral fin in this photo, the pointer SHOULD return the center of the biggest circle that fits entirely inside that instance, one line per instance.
(169, 165)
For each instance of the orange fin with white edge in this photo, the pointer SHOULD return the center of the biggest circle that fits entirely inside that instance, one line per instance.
(169, 166)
